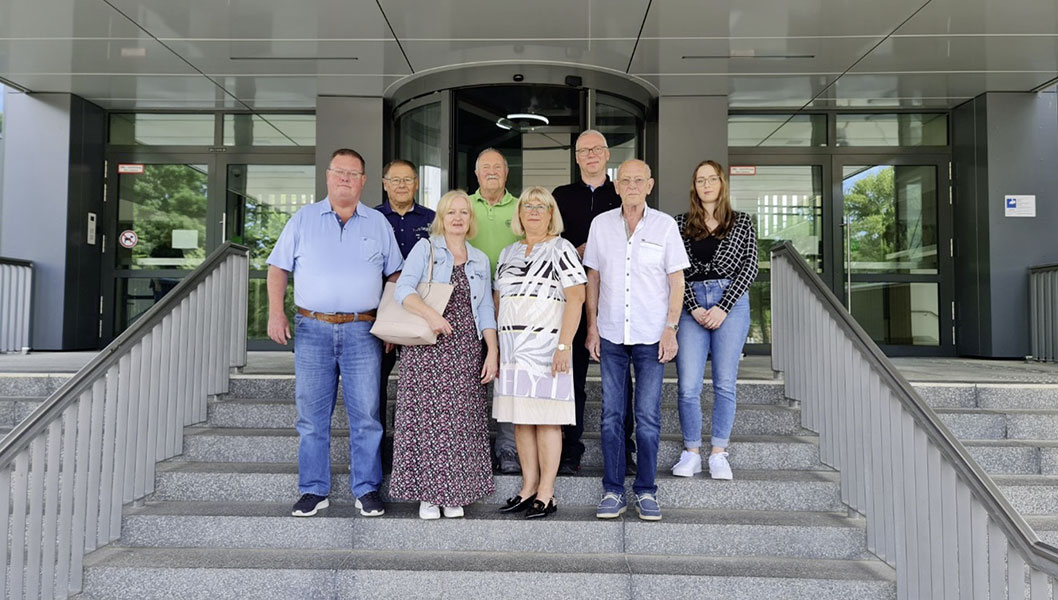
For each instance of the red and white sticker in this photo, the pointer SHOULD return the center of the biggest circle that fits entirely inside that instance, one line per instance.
(743, 170)
(130, 169)
(128, 239)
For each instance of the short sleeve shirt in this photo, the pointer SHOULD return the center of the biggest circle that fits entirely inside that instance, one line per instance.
(633, 274)
(337, 267)
(410, 227)
(494, 224)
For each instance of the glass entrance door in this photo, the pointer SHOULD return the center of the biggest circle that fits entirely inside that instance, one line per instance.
(896, 249)
(157, 231)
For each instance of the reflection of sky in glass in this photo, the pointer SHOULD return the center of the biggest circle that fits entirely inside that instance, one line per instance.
(853, 175)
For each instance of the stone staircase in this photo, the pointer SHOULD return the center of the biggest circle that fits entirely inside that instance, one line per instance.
(218, 524)
(19, 395)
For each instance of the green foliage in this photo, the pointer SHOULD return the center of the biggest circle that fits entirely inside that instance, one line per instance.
(164, 198)
(871, 210)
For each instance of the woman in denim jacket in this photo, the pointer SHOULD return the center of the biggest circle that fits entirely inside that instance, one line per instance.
(440, 433)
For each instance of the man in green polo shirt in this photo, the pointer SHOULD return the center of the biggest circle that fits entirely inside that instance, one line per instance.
(494, 208)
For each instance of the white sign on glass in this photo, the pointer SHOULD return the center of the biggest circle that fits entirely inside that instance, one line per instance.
(184, 239)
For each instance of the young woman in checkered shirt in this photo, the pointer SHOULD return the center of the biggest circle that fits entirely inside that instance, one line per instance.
(722, 246)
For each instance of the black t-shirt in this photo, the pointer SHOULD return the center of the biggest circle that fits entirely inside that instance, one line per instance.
(579, 204)
(703, 251)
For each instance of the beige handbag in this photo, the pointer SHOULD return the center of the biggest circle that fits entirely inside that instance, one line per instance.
(398, 325)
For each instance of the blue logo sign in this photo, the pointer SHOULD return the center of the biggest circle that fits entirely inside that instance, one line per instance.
(1012, 202)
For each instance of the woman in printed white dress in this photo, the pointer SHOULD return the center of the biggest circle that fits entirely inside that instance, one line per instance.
(539, 288)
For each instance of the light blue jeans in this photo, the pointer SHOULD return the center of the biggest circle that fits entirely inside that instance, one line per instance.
(696, 344)
(322, 352)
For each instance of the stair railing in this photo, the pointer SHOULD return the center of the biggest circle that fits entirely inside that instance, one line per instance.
(91, 447)
(16, 297)
(1043, 312)
(932, 512)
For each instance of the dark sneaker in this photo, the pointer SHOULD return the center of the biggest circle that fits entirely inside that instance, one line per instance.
(370, 505)
(309, 504)
(509, 464)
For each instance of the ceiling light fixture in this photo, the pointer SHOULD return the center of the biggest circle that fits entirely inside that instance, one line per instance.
(736, 54)
(528, 117)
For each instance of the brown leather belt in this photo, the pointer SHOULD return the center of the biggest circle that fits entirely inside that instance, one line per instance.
(338, 317)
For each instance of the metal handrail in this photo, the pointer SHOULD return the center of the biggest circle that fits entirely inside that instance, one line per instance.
(924, 496)
(16, 303)
(90, 447)
(1043, 312)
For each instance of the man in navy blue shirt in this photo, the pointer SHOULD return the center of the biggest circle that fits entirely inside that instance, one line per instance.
(410, 222)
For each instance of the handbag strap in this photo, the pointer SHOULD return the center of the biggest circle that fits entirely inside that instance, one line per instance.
(429, 271)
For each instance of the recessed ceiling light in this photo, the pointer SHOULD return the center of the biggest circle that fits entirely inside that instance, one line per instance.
(528, 117)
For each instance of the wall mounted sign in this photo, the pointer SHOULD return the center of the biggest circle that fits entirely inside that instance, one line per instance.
(742, 170)
(1019, 206)
(129, 169)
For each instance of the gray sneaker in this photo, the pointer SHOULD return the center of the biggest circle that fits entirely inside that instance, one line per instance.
(508, 460)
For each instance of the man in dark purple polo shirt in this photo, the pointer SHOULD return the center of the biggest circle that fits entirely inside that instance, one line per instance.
(410, 222)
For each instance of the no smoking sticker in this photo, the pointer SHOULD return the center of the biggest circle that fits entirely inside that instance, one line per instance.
(128, 239)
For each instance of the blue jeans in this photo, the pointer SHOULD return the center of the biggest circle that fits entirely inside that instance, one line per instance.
(322, 352)
(615, 362)
(696, 345)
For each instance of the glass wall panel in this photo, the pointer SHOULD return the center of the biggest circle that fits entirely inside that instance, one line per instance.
(260, 200)
(269, 130)
(420, 142)
(162, 217)
(892, 213)
(621, 128)
(153, 129)
(900, 313)
(776, 130)
(901, 129)
(786, 203)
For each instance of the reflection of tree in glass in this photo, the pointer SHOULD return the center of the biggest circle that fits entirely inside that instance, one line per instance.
(168, 197)
(261, 228)
(871, 211)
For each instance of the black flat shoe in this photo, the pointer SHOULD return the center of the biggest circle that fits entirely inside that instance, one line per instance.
(516, 504)
(538, 510)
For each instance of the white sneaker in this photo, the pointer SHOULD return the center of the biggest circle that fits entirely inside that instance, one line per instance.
(690, 463)
(718, 467)
(429, 511)
(453, 512)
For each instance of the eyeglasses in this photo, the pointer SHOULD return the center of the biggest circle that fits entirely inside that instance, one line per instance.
(343, 173)
(596, 150)
(400, 180)
(539, 208)
(711, 180)
(627, 181)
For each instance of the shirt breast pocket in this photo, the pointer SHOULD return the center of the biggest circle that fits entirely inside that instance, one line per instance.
(371, 251)
(650, 254)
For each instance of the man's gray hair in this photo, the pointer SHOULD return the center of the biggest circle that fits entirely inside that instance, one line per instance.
(592, 132)
(486, 151)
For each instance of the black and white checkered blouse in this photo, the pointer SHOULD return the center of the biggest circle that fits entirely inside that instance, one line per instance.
(735, 259)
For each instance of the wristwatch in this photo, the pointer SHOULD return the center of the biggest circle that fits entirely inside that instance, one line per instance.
(673, 326)
(563, 347)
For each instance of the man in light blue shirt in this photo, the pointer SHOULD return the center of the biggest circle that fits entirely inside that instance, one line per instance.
(339, 250)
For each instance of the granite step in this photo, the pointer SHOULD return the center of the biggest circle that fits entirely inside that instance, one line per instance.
(1030, 494)
(750, 419)
(14, 409)
(750, 490)
(28, 385)
(282, 386)
(205, 444)
(1011, 423)
(484, 529)
(118, 573)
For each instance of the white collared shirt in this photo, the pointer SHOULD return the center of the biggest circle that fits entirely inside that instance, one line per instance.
(633, 274)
